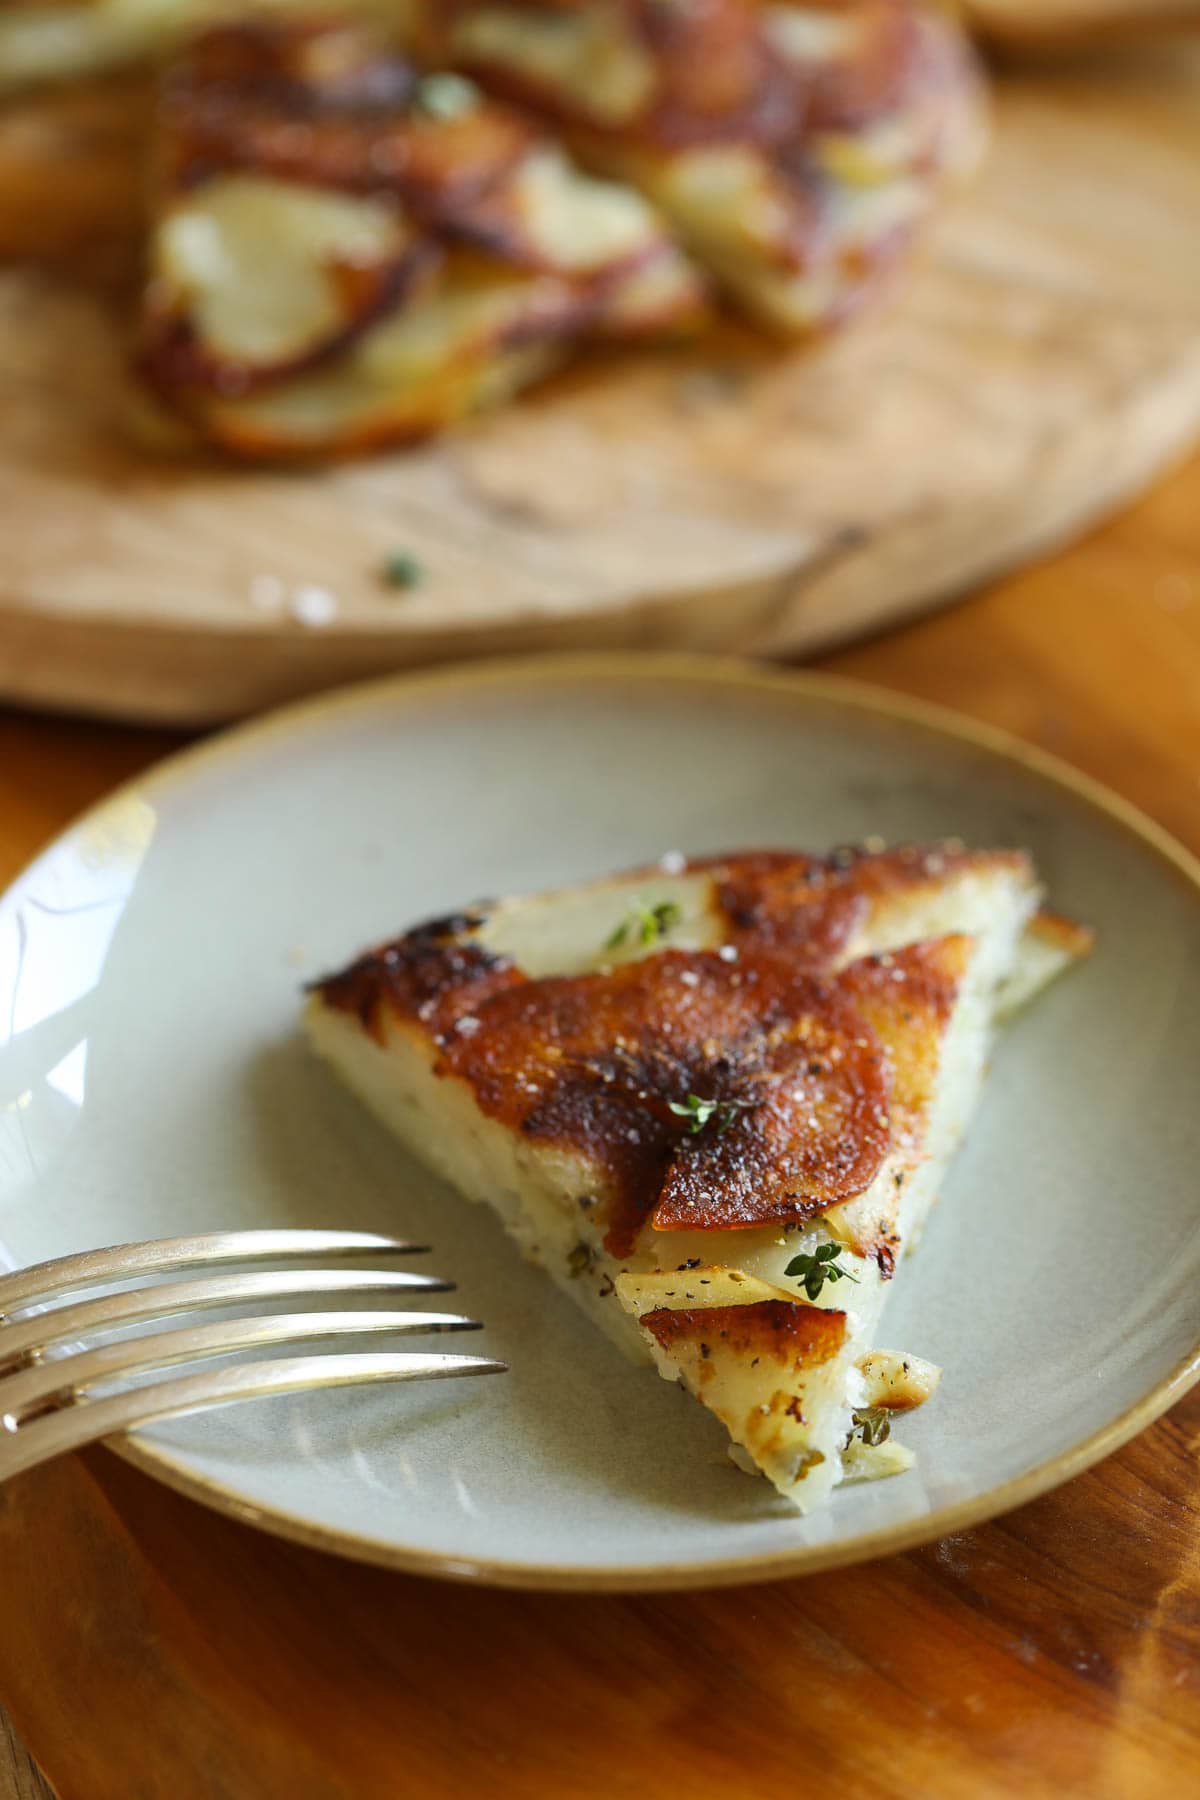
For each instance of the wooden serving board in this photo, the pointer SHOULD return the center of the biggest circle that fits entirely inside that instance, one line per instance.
(1041, 363)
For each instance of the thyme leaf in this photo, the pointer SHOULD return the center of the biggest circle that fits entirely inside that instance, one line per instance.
(645, 925)
(873, 1424)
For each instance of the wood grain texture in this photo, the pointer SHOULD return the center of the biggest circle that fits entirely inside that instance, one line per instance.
(1041, 363)
(19, 1779)
(152, 1651)
(1059, 24)
(79, 150)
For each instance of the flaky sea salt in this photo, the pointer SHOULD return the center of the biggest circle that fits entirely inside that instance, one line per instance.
(313, 606)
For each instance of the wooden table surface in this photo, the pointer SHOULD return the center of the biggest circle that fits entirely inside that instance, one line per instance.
(150, 1650)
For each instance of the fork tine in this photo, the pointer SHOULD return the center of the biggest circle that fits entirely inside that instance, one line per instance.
(158, 1256)
(130, 1356)
(21, 1447)
(106, 1311)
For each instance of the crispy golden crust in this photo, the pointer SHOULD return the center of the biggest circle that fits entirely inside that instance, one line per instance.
(863, 1086)
(808, 1078)
(813, 906)
(327, 105)
(907, 996)
(595, 1063)
(434, 974)
(782, 1332)
(810, 1127)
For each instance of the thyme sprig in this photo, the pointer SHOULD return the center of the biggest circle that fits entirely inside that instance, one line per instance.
(818, 1268)
(698, 1112)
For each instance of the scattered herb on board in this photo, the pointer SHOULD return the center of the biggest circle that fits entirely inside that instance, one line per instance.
(817, 1269)
(646, 924)
(402, 570)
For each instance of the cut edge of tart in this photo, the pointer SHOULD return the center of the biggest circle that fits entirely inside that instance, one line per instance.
(715, 1101)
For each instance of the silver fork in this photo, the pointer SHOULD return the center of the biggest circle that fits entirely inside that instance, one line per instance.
(48, 1378)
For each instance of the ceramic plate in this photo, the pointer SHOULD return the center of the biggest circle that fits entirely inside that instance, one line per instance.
(152, 1081)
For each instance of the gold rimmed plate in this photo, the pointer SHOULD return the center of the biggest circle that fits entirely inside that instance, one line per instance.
(152, 1081)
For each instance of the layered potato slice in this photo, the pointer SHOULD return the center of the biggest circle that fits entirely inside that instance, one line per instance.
(795, 147)
(715, 1100)
(64, 40)
(1050, 946)
(774, 1373)
(348, 251)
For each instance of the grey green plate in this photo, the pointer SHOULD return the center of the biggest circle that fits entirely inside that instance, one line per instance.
(152, 1081)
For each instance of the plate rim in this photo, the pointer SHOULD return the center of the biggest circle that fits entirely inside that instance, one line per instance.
(679, 669)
